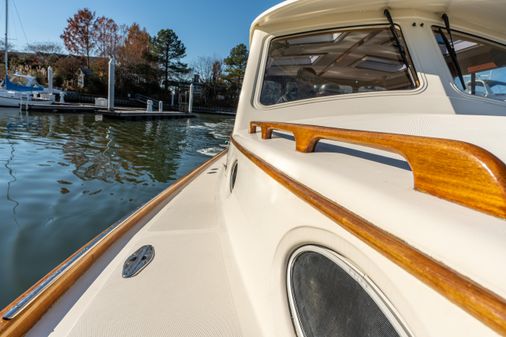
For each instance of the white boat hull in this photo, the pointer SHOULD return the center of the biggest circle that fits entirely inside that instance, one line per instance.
(14, 101)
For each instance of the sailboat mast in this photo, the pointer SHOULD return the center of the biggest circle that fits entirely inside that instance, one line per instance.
(6, 55)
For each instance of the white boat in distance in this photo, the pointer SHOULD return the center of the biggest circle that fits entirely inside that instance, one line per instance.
(22, 88)
(363, 193)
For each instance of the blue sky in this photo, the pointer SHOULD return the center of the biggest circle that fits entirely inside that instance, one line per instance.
(207, 27)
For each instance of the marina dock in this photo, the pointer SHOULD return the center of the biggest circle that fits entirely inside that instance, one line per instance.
(138, 114)
(79, 108)
(118, 113)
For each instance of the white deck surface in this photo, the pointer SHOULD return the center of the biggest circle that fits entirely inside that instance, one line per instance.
(185, 291)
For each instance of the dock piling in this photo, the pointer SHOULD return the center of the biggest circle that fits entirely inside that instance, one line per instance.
(110, 91)
(50, 80)
(190, 100)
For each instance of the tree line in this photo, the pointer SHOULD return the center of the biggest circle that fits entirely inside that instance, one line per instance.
(150, 65)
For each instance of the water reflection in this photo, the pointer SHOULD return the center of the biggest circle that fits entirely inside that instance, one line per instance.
(64, 178)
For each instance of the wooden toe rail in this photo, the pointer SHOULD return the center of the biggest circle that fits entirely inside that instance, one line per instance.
(453, 170)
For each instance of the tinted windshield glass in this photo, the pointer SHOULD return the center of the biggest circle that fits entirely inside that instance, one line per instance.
(334, 63)
(483, 63)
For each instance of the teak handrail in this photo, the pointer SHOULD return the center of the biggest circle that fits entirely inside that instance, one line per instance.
(480, 302)
(32, 311)
(449, 169)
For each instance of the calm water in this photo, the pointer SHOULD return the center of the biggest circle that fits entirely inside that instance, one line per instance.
(65, 178)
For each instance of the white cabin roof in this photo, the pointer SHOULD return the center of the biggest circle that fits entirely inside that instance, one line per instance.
(484, 15)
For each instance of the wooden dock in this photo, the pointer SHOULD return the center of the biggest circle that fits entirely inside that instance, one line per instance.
(79, 108)
(133, 115)
(118, 113)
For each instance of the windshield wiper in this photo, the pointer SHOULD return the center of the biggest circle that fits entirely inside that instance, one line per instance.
(451, 49)
(398, 44)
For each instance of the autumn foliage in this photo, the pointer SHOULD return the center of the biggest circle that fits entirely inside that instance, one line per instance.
(145, 64)
(78, 36)
(89, 37)
(138, 70)
(136, 46)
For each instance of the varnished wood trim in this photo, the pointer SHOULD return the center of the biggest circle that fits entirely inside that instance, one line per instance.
(480, 302)
(453, 170)
(25, 320)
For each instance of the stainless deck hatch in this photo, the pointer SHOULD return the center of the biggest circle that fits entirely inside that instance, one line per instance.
(138, 261)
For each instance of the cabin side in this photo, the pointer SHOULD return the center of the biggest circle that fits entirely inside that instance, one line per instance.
(316, 199)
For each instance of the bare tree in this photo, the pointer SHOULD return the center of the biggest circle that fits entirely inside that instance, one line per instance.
(44, 48)
(203, 66)
(207, 68)
(107, 36)
(10, 46)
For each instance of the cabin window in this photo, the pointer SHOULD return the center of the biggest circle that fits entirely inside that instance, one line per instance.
(330, 297)
(482, 63)
(233, 175)
(335, 63)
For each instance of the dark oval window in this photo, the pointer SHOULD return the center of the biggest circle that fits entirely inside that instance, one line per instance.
(233, 175)
(329, 297)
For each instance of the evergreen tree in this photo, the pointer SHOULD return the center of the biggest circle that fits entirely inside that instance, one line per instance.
(235, 67)
(169, 50)
(236, 64)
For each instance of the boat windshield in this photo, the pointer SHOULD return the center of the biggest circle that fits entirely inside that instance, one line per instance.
(335, 63)
(482, 62)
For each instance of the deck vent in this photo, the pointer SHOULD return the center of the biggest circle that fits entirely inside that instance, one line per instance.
(138, 261)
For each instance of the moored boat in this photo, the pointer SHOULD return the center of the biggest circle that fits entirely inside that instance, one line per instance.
(363, 193)
(22, 88)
